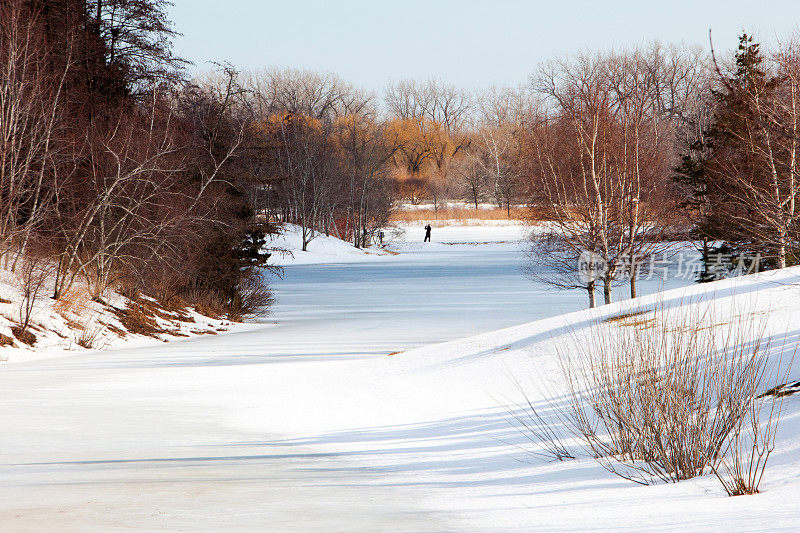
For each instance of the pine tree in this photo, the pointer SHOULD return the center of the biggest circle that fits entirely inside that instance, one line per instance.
(691, 175)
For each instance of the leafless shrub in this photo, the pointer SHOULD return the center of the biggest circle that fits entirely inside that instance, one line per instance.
(752, 440)
(671, 399)
(89, 335)
(252, 299)
(206, 303)
(547, 435)
(32, 275)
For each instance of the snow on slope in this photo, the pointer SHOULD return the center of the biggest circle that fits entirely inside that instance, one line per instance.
(76, 323)
(321, 249)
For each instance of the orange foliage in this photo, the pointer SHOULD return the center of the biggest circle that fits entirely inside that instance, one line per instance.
(423, 156)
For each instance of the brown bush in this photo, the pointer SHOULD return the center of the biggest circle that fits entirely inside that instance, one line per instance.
(252, 299)
(75, 301)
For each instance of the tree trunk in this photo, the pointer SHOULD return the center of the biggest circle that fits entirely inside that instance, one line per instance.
(590, 289)
(607, 290)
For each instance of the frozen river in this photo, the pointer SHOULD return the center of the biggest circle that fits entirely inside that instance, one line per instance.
(424, 295)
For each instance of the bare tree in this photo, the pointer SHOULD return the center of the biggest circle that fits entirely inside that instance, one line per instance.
(444, 104)
(472, 178)
(303, 92)
(580, 190)
(600, 156)
(30, 113)
(367, 149)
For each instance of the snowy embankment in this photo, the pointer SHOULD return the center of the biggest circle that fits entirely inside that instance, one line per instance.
(322, 249)
(75, 322)
(436, 419)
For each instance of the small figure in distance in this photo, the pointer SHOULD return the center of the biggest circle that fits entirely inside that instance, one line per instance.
(380, 237)
(427, 233)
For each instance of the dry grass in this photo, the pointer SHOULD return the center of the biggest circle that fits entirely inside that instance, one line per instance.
(75, 301)
(456, 216)
(634, 319)
(24, 335)
(139, 318)
(625, 317)
(88, 337)
(119, 332)
(146, 316)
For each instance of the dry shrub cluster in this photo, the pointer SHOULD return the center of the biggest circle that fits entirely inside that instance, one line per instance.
(208, 303)
(670, 399)
(252, 298)
(32, 274)
(90, 334)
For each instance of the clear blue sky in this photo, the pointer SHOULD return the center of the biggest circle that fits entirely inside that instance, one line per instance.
(471, 43)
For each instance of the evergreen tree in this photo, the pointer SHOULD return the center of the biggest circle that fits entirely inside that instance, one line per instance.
(722, 172)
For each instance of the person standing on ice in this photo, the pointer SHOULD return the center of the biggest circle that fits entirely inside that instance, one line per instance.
(427, 233)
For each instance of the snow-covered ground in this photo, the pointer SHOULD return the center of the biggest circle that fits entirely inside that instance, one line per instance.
(321, 249)
(341, 412)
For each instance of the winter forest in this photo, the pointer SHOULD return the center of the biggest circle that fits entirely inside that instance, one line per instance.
(269, 298)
